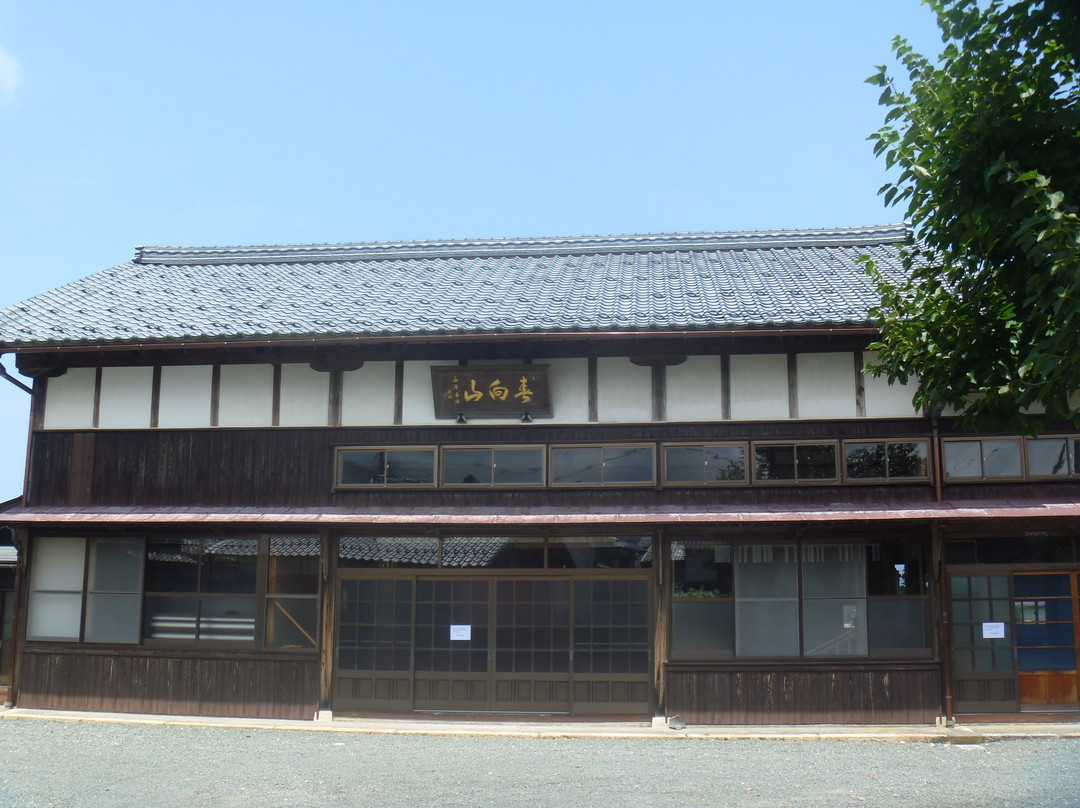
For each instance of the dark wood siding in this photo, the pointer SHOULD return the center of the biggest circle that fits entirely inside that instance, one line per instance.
(841, 694)
(294, 467)
(169, 683)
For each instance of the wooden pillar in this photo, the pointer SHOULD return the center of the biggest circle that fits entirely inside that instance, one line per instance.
(661, 575)
(329, 543)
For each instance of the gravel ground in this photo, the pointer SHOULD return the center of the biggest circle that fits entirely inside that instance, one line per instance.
(91, 765)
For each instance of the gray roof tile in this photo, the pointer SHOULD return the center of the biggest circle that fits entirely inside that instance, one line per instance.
(620, 283)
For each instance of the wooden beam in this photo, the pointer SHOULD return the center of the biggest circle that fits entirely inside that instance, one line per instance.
(594, 411)
(793, 385)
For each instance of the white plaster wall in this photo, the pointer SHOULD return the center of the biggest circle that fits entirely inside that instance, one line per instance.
(694, 390)
(69, 400)
(884, 400)
(569, 382)
(305, 396)
(367, 395)
(759, 387)
(826, 385)
(418, 403)
(246, 395)
(184, 401)
(125, 398)
(623, 391)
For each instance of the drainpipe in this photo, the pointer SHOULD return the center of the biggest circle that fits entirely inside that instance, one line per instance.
(14, 381)
(935, 442)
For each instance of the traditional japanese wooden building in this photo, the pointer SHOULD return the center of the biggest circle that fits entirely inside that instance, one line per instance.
(623, 476)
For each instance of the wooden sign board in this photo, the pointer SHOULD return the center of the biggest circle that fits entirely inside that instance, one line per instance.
(491, 392)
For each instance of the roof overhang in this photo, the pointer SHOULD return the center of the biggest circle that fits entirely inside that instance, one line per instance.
(54, 517)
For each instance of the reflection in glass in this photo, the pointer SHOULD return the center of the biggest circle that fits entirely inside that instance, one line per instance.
(815, 462)
(1047, 457)
(774, 462)
(571, 465)
(1001, 458)
(864, 461)
(519, 466)
(963, 458)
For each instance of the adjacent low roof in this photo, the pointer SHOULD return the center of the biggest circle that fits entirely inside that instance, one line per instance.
(656, 282)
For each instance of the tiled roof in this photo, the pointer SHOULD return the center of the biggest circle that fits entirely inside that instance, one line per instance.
(658, 282)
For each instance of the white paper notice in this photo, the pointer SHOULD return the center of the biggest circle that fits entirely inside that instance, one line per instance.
(460, 632)
(993, 631)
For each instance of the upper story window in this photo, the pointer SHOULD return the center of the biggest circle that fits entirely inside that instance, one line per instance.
(705, 464)
(886, 460)
(795, 462)
(602, 465)
(386, 466)
(493, 466)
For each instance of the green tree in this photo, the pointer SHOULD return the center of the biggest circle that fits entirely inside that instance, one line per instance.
(986, 142)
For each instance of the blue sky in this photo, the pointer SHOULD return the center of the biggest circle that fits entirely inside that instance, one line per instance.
(234, 122)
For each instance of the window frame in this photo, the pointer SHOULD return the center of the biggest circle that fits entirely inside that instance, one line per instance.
(341, 451)
(795, 444)
(982, 476)
(888, 478)
(261, 597)
(493, 449)
(736, 544)
(604, 448)
(705, 445)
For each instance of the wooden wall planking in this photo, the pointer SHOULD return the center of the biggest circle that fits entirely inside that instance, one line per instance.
(167, 684)
(860, 694)
(294, 467)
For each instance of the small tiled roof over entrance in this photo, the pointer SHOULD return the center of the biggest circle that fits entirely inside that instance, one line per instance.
(657, 282)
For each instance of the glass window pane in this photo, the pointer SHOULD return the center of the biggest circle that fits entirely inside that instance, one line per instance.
(467, 466)
(58, 563)
(519, 466)
(172, 565)
(227, 619)
(702, 630)
(1047, 457)
(899, 625)
(963, 458)
(112, 617)
(1046, 585)
(496, 552)
(410, 467)
(834, 627)
(767, 628)
(908, 460)
(864, 461)
(577, 465)
(1046, 659)
(725, 463)
(291, 622)
(293, 565)
(54, 616)
(364, 467)
(815, 462)
(766, 571)
(1001, 458)
(895, 567)
(774, 462)
(684, 464)
(628, 465)
(411, 552)
(116, 566)
(229, 565)
(169, 618)
(834, 570)
(702, 570)
(614, 552)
